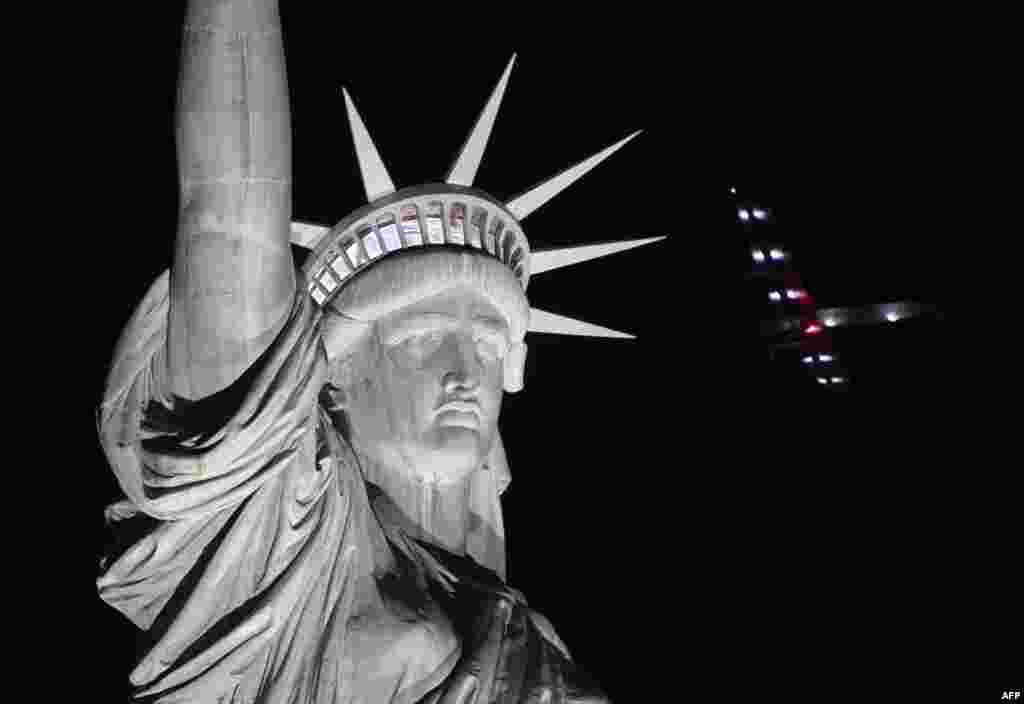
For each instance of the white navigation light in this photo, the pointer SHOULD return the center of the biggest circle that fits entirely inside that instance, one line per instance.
(732, 189)
(792, 293)
(831, 322)
(822, 381)
(744, 214)
(824, 358)
(775, 296)
(758, 255)
(808, 359)
(777, 254)
(837, 380)
(892, 317)
(759, 213)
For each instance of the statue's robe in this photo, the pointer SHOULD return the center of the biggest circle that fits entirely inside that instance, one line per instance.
(268, 570)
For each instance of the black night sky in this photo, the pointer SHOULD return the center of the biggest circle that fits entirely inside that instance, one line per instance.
(690, 515)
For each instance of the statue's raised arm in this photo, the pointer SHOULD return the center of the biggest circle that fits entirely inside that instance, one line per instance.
(232, 281)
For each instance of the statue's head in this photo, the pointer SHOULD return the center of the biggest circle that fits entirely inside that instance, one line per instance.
(423, 295)
(426, 346)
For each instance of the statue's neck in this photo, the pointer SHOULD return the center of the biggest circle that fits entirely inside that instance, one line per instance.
(429, 511)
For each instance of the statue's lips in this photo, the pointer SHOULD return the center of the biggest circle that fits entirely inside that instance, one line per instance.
(464, 414)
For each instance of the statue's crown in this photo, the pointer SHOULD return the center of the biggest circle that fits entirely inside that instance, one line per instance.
(451, 215)
(428, 216)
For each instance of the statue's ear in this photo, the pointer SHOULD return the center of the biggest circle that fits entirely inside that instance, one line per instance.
(515, 363)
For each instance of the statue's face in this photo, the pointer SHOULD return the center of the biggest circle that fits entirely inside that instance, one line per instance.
(429, 404)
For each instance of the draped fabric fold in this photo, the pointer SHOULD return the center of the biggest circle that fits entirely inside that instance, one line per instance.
(259, 573)
(171, 474)
(511, 653)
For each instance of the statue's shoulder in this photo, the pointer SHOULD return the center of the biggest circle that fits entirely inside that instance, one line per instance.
(510, 649)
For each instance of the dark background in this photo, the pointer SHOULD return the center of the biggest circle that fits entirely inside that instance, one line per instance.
(690, 515)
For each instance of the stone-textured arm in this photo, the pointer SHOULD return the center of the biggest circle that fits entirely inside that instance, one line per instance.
(232, 281)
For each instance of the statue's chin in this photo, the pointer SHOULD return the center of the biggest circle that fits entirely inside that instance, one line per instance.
(454, 451)
(457, 453)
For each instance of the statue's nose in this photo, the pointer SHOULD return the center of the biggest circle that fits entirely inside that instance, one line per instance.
(460, 381)
(464, 373)
(463, 378)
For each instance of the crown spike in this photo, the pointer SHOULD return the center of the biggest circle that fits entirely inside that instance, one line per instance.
(308, 235)
(376, 180)
(542, 321)
(464, 169)
(524, 204)
(548, 259)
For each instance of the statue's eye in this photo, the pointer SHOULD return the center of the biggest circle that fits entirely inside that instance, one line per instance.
(416, 343)
(423, 341)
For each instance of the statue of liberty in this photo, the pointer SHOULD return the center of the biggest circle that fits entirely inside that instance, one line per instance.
(319, 444)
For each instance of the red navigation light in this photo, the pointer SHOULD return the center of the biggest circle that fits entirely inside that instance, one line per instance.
(812, 329)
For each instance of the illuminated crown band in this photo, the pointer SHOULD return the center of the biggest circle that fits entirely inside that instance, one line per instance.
(450, 215)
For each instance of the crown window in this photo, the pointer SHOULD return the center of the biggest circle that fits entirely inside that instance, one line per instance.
(494, 236)
(370, 242)
(506, 246)
(477, 226)
(388, 233)
(327, 280)
(456, 223)
(435, 222)
(339, 265)
(517, 257)
(353, 250)
(411, 231)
